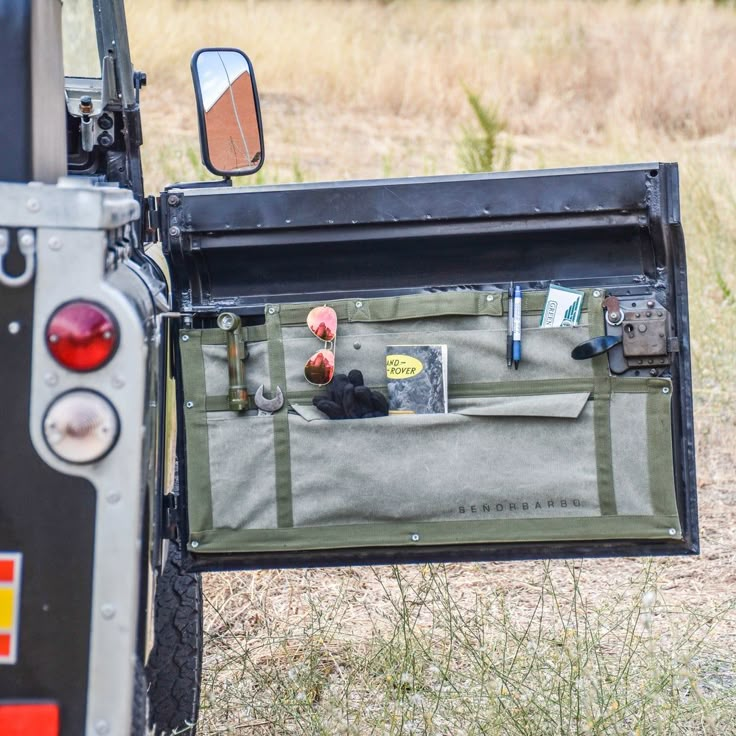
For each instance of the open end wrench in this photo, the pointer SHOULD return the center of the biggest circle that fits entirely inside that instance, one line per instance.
(265, 406)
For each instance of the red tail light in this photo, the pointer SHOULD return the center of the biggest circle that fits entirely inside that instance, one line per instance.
(82, 336)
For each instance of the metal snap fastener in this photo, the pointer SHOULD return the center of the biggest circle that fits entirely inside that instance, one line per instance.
(195, 544)
(271, 310)
(184, 338)
(665, 390)
(596, 293)
(359, 304)
(190, 404)
(414, 537)
(672, 532)
(489, 298)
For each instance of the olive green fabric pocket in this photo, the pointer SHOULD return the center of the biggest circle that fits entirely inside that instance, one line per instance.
(558, 450)
(437, 467)
(476, 349)
(242, 471)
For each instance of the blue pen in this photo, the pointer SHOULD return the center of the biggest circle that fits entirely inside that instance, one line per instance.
(517, 327)
(510, 328)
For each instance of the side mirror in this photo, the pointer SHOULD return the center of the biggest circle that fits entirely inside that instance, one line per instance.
(230, 132)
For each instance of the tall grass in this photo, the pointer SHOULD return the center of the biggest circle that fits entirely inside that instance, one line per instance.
(483, 146)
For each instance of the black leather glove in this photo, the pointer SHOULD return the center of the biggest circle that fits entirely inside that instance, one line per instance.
(348, 398)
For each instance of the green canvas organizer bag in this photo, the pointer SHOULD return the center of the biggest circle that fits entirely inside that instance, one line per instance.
(558, 450)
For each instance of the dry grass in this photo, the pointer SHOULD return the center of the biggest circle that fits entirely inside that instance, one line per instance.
(574, 69)
(369, 89)
(388, 76)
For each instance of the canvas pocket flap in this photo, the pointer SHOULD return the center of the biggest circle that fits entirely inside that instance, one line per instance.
(561, 406)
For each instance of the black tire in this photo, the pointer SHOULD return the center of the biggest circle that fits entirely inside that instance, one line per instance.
(175, 664)
(139, 721)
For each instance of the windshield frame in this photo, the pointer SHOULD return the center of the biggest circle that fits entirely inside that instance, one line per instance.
(111, 37)
(112, 40)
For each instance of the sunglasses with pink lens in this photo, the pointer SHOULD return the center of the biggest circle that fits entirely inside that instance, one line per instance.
(320, 368)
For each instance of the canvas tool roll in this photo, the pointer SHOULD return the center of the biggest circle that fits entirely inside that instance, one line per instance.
(558, 450)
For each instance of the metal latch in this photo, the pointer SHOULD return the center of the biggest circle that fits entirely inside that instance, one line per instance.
(647, 338)
(645, 334)
(27, 248)
(642, 329)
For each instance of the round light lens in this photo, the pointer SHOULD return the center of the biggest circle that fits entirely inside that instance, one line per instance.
(82, 336)
(81, 427)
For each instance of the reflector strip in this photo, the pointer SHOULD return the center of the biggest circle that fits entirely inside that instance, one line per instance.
(24, 719)
(10, 571)
(6, 570)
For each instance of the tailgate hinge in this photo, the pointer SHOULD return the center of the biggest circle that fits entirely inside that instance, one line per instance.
(151, 220)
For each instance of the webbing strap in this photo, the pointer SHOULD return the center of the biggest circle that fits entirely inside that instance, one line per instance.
(282, 453)
(659, 452)
(409, 306)
(602, 412)
(199, 496)
(251, 333)
(598, 387)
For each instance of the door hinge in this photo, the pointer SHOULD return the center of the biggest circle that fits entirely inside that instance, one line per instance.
(171, 516)
(151, 220)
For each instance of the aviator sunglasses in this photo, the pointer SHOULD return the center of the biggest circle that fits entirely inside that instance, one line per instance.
(319, 369)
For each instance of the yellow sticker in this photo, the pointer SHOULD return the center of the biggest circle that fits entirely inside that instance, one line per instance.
(7, 607)
(402, 366)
